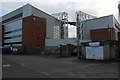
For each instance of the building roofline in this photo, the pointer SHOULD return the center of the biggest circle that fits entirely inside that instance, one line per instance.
(117, 22)
(32, 7)
(13, 11)
(99, 17)
(44, 12)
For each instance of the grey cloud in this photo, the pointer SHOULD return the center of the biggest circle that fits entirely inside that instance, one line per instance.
(10, 6)
(92, 7)
(68, 7)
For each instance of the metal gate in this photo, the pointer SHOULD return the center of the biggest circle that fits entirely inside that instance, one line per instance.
(94, 53)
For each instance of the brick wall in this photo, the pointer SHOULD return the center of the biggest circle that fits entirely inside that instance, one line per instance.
(33, 34)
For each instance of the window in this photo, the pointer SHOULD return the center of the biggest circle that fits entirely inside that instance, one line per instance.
(12, 18)
(14, 36)
(12, 43)
(56, 32)
(13, 31)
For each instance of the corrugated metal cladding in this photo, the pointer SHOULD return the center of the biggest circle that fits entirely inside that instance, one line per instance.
(95, 53)
(106, 34)
(33, 34)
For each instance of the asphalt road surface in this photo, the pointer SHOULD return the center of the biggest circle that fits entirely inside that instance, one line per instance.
(36, 66)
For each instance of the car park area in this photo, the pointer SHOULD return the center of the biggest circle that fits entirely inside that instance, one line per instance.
(53, 66)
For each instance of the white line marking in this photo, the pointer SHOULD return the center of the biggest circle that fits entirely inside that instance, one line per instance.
(6, 65)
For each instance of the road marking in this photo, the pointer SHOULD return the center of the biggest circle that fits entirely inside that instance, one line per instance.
(6, 65)
(22, 64)
(46, 74)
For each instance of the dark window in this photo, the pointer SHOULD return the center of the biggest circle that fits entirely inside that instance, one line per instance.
(13, 43)
(12, 18)
(17, 30)
(7, 32)
(13, 31)
(14, 36)
(7, 38)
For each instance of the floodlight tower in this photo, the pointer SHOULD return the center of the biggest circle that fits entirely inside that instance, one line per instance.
(63, 17)
(80, 18)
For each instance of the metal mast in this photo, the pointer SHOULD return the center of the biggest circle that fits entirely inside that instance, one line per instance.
(80, 18)
(63, 17)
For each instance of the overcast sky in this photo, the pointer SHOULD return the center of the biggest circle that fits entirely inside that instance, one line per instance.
(94, 7)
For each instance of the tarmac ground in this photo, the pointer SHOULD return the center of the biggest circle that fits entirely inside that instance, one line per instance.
(49, 66)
